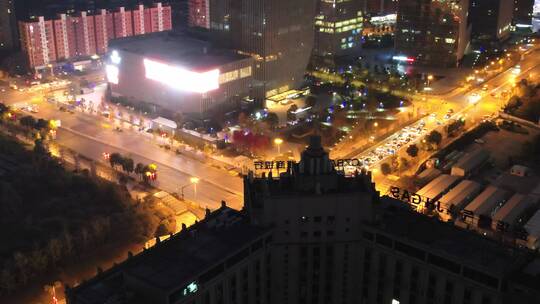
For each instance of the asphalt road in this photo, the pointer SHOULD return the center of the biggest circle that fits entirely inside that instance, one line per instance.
(91, 135)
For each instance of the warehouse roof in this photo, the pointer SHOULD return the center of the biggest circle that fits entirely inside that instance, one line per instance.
(461, 194)
(487, 201)
(515, 206)
(472, 160)
(533, 225)
(437, 186)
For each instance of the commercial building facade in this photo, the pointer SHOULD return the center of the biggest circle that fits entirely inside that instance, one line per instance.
(178, 72)
(313, 235)
(338, 31)
(279, 34)
(523, 12)
(491, 20)
(79, 35)
(432, 33)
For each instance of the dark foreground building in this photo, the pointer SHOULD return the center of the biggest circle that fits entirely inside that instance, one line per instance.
(315, 236)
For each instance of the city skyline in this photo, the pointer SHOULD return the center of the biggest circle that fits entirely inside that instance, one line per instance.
(269, 151)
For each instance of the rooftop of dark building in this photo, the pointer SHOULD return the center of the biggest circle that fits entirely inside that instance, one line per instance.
(315, 174)
(463, 246)
(175, 262)
(186, 48)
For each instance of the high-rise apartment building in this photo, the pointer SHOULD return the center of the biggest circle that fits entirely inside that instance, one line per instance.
(338, 31)
(278, 33)
(8, 26)
(82, 34)
(313, 235)
(104, 30)
(123, 23)
(38, 42)
(85, 35)
(433, 33)
(199, 13)
(491, 19)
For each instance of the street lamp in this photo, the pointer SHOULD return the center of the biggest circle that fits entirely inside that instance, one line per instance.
(429, 78)
(278, 141)
(193, 181)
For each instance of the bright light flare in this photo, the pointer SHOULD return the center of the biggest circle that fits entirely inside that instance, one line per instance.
(112, 73)
(194, 180)
(403, 58)
(115, 57)
(474, 98)
(181, 79)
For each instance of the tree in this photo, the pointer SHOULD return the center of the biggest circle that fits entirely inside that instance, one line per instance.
(435, 137)
(128, 165)
(311, 101)
(115, 159)
(291, 116)
(21, 263)
(139, 169)
(272, 119)
(412, 150)
(39, 147)
(455, 126)
(386, 168)
(28, 121)
(41, 124)
(3, 108)
(8, 281)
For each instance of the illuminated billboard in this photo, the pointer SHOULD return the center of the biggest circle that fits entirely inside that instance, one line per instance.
(112, 73)
(181, 79)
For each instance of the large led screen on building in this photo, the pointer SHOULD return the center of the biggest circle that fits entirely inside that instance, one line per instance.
(180, 78)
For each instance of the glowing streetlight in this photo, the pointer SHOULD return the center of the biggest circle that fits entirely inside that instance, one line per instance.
(192, 181)
(278, 141)
(430, 77)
